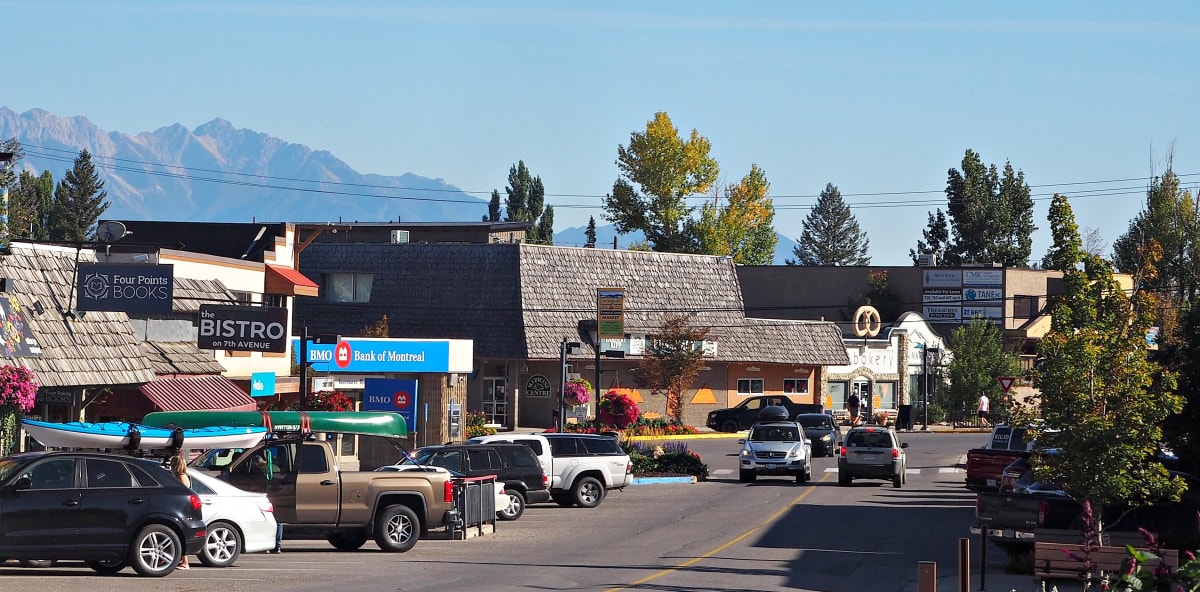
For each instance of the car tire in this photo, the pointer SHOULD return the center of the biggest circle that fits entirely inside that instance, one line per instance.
(844, 479)
(588, 492)
(397, 528)
(156, 551)
(37, 563)
(222, 545)
(747, 476)
(347, 540)
(898, 479)
(562, 498)
(106, 568)
(516, 506)
(730, 426)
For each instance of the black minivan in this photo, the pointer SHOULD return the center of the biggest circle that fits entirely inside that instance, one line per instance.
(514, 465)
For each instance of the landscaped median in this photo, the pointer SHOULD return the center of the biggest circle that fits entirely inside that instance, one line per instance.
(661, 480)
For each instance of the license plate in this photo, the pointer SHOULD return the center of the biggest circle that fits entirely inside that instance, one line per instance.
(870, 457)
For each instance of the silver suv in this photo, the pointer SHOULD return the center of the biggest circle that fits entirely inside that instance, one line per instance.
(871, 452)
(775, 448)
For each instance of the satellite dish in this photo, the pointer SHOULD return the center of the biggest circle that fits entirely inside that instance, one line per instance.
(110, 231)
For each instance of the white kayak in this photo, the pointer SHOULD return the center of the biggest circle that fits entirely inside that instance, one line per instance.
(120, 434)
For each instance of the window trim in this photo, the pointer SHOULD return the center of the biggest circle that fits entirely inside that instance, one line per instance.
(761, 387)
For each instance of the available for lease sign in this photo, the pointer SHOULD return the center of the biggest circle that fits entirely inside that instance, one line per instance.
(243, 328)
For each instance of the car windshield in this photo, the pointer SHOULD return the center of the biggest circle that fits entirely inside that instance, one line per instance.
(774, 434)
(815, 421)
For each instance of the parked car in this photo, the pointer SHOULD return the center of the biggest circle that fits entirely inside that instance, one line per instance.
(872, 452)
(581, 467)
(821, 431)
(775, 447)
(515, 466)
(238, 521)
(742, 416)
(88, 494)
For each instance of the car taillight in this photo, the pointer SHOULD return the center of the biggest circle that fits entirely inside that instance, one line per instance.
(448, 492)
(196, 503)
(546, 480)
(266, 506)
(841, 451)
(895, 453)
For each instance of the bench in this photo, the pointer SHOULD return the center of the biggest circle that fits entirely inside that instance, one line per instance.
(1051, 559)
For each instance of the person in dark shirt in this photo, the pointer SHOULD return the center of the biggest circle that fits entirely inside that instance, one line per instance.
(852, 406)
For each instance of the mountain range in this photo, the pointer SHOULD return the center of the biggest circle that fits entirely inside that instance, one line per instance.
(220, 173)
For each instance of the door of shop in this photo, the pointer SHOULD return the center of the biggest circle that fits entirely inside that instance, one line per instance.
(495, 400)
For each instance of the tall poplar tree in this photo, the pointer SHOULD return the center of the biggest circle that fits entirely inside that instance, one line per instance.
(743, 228)
(1169, 218)
(525, 203)
(831, 234)
(79, 201)
(667, 169)
(1067, 249)
(493, 214)
(991, 215)
(29, 205)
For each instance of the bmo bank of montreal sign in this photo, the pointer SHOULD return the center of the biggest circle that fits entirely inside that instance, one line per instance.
(124, 287)
(242, 328)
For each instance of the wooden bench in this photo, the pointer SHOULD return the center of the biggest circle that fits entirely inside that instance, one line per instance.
(1059, 553)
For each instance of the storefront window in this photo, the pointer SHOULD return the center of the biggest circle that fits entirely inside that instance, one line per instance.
(795, 386)
(837, 394)
(750, 386)
(885, 393)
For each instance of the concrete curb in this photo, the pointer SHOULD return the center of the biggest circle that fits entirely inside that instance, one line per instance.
(660, 480)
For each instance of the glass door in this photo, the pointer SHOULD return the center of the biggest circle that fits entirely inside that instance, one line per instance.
(495, 400)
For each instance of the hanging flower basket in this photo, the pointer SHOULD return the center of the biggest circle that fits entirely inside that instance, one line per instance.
(18, 393)
(577, 391)
(617, 409)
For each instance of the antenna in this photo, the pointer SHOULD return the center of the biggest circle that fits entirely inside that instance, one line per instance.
(111, 231)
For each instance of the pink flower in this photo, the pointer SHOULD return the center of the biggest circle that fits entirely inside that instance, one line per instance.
(18, 387)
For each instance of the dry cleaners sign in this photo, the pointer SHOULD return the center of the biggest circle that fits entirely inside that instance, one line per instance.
(243, 328)
(124, 287)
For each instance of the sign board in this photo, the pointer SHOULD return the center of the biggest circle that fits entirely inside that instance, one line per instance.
(395, 395)
(16, 339)
(243, 328)
(1152, 338)
(941, 295)
(987, 313)
(1006, 382)
(365, 355)
(942, 314)
(55, 397)
(262, 384)
(972, 294)
(942, 278)
(538, 386)
(129, 287)
(983, 277)
(610, 313)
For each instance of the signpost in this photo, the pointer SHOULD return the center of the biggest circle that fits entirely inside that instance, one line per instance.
(610, 313)
(1006, 382)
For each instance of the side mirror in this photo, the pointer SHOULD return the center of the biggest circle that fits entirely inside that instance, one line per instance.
(741, 440)
(22, 484)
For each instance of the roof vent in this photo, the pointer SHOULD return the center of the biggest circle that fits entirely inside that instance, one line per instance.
(399, 237)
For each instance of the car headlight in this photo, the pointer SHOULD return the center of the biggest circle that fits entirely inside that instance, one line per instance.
(826, 438)
(747, 452)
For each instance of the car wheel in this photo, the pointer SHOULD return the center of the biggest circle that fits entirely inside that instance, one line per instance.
(106, 568)
(37, 563)
(516, 506)
(155, 551)
(562, 498)
(844, 479)
(588, 492)
(747, 476)
(898, 480)
(222, 545)
(729, 426)
(347, 540)
(397, 528)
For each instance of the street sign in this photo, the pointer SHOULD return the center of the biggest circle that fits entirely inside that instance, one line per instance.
(1006, 382)
(610, 313)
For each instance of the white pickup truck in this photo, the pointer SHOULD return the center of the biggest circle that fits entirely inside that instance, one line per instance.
(582, 467)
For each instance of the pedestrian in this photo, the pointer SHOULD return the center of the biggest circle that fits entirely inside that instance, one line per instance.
(278, 538)
(985, 415)
(179, 469)
(852, 406)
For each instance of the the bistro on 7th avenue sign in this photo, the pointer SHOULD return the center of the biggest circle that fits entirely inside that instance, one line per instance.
(129, 287)
(243, 328)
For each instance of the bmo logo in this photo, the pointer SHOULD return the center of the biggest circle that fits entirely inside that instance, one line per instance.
(401, 400)
(343, 354)
(320, 355)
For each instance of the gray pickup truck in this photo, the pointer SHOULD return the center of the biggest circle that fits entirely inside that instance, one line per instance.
(1012, 519)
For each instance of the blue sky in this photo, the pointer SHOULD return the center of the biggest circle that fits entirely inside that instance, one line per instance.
(1086, 98)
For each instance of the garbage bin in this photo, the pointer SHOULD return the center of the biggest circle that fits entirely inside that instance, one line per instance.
(904, 419)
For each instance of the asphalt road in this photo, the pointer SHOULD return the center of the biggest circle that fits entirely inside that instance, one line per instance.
(716, 535)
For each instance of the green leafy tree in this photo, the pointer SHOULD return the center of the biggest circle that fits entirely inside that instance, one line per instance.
(936, 239)
(525, 203)
(831, 234)
(79, 201)
(991, 215)
(668, 169)
(742, 229)
(7, 174)
(545, 226)
(672, 361)
(979, 358)
(1067, 249)
(493, 214)
(590, 233)
(29, 206)
(1169, 218)
(1100, 389)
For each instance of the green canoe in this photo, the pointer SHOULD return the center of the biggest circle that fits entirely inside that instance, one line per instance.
(369, 423)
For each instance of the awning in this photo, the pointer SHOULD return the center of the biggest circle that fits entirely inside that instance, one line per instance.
(194, 393)
(288, 281)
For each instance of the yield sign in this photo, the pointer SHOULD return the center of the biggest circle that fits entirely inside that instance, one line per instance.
(1006, 382)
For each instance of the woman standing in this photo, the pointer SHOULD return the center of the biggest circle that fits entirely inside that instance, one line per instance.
(179, 469)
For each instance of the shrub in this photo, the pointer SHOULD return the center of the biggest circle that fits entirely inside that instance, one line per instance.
(477, 425)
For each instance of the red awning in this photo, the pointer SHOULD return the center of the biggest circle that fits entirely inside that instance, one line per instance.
(194, 393)
(288, 281)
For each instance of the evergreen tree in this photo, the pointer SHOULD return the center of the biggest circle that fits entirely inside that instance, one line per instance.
(590, 233)
(545, 226)
(937, 238)
(526, 197)
(1067, 249)
(831, 234)
(29, 206)
(79, 201)
(991, 216)
(1169, 218)
(493, 214)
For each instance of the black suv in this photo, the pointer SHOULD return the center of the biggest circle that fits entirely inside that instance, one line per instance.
(514, 465)
(107, 510)
(744, 415)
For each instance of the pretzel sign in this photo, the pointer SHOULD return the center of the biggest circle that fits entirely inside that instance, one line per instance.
(866, 321)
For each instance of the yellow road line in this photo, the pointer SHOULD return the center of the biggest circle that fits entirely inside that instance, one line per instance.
(734, 541)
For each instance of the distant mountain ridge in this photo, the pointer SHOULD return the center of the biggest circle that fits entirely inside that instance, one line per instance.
(219, 173)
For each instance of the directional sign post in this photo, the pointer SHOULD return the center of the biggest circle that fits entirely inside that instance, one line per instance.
(1006, 382)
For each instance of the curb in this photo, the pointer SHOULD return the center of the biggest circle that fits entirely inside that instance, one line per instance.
(660, 480)
(699, 436)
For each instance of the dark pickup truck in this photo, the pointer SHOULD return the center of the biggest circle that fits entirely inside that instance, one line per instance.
(1013, 518)
(985, 465)
(745, 413)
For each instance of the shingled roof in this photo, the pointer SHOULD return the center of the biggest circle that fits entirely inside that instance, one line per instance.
(520, 300)
(95, 349)
(188, 294)
(180, 357)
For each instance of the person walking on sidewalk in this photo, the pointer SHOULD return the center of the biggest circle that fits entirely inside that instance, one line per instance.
(985, 414)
